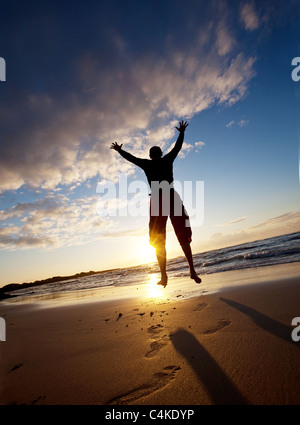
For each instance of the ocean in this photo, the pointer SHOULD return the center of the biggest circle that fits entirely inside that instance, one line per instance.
(267, 252)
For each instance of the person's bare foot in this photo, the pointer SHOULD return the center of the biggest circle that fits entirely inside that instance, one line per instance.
(163, 282)
(195, 277)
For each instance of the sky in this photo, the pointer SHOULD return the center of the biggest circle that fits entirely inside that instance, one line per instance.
(82, 75)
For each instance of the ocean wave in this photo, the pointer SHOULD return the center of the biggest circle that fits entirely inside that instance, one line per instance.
(272, 253)
(215, 262)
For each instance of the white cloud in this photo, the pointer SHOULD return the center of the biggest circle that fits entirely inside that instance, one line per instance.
(230, 124)
(225, 41)
(241, 123)
(249, 16)
(186, 148)
(199, 144)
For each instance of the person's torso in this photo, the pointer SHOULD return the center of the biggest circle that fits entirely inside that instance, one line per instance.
(159, 170)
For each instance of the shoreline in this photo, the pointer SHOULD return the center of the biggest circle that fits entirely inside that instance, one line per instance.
(180, 287)
(232, 346)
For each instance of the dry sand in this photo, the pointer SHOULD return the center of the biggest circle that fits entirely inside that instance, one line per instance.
(231, 346)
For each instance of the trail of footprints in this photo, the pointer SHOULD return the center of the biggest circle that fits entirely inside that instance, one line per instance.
(161, 379)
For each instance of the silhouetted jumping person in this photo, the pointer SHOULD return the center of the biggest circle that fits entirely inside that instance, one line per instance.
(164, 202)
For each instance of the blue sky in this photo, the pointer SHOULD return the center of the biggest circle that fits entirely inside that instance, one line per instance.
(81, 77)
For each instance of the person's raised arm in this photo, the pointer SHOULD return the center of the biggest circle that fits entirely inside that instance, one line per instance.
(126, 155)
(178, 145)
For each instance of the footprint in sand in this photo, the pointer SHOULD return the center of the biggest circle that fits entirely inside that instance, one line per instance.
(155, 346)
(221, 324)
(159, 342)
(159, 380)
(200, 307)
(155, 330)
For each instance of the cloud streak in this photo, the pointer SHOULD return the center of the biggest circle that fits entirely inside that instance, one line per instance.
(231, 222)
(290, 220)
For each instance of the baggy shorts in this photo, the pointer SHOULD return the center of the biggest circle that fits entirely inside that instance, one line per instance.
(161, 207)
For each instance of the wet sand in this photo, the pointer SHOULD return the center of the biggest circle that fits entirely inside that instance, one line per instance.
(230, 345)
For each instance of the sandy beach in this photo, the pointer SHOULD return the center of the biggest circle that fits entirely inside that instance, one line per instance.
(230, 345)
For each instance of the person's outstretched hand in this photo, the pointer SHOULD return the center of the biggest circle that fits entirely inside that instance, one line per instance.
(182, 126)
(116, 147)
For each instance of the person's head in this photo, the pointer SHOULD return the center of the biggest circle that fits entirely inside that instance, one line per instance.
(155, 152)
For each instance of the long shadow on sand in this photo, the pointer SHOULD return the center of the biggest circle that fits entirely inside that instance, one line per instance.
(219, 387)
(270, 325)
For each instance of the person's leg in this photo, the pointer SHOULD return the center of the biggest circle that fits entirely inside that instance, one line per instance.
(186, 247)
(157, 234)
(162, 261)
(181, 223)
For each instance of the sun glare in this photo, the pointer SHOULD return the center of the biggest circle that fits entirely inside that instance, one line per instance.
(145, 253)
(154, 290)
